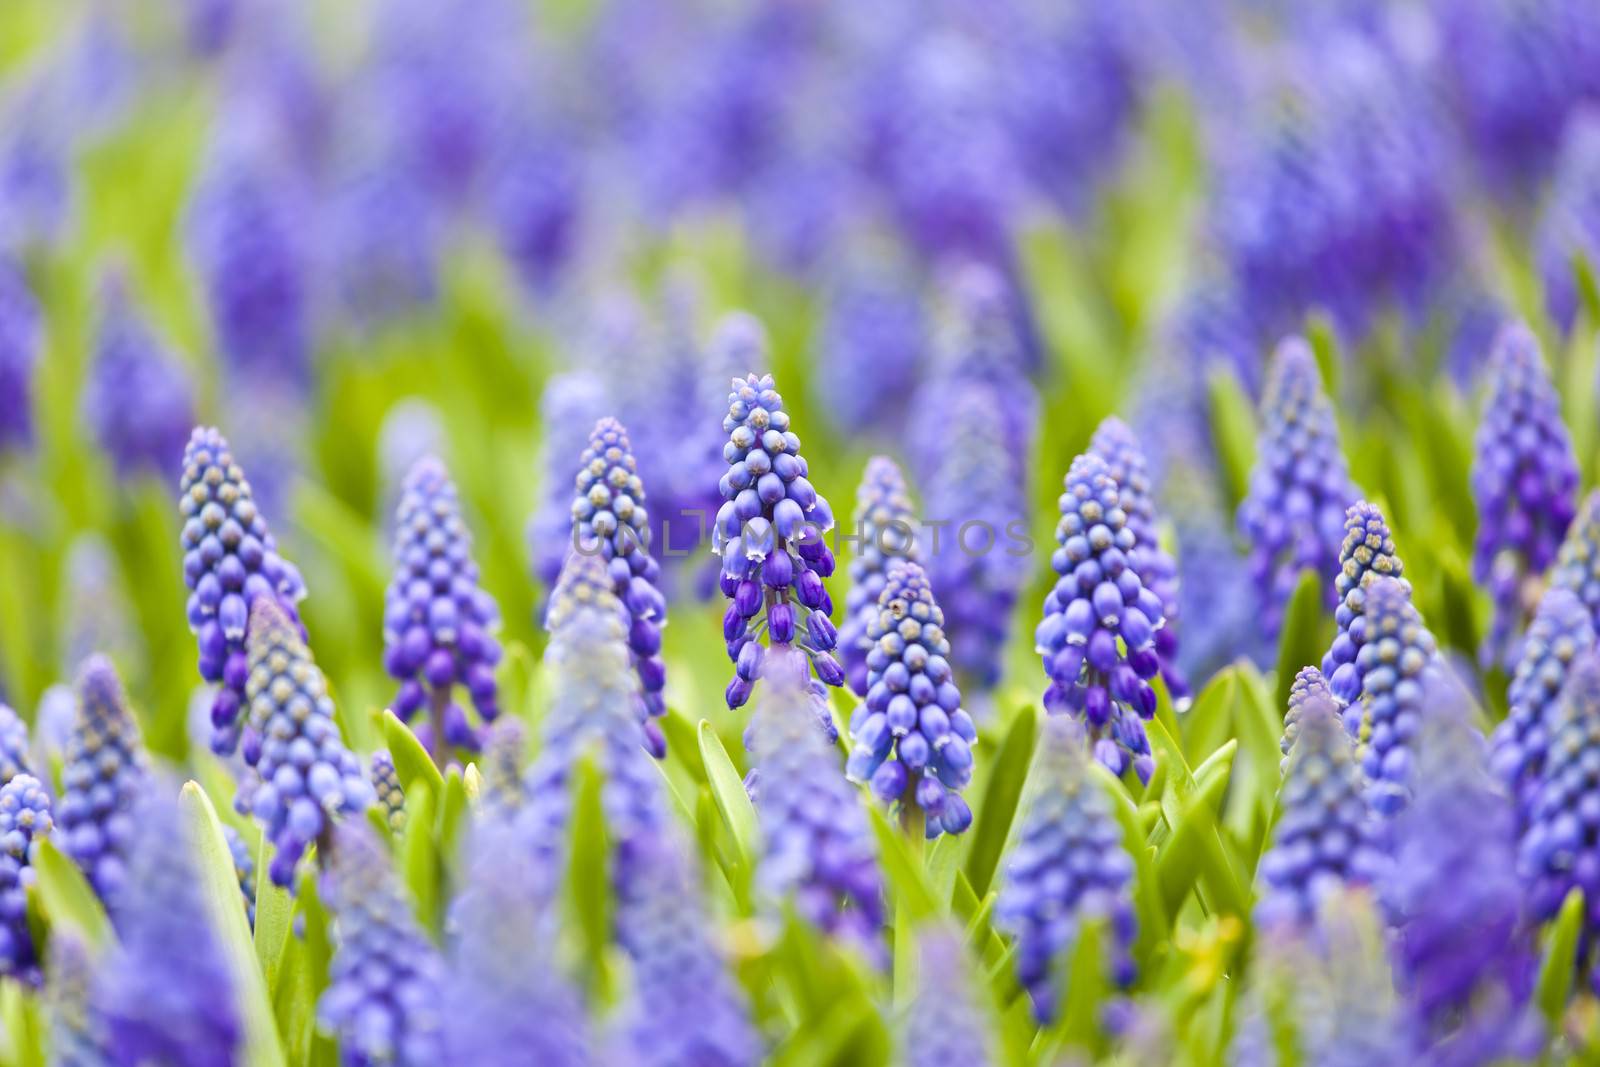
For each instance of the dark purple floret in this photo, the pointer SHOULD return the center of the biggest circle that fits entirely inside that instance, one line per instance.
(1293, 516)
(229, 561)
(1525, 484)
(1097, 636)
(1366, 554)
(438, 624)
(610, 521)
(138, 400)
(885, 529)
(1068, 866)
(103, 774)
(568, 409)
(24, 816)
(948, 1024)
(21, 337)
(1397, 661)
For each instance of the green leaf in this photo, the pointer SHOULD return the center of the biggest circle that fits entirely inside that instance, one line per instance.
(727, 789)
(1560, 959)
(588, 896)
(680, 735)
(66, 898)
(1233, 428)
(908, 882)
(419, 855)
(274, 907)
(411, 760)
(451, 812)
(219, 887)
(516, 686)
(1195, 853)
(1209, 720)
(1307, 633)
(1001, 794)
(23, 1037)
(1153, 922)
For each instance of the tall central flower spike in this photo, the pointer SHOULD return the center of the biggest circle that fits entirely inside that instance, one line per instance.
(1396, 659)
(1367, 550)
(886, 531)
(1525, 483)
(769, 534)
(1098, 632)
(307, 776)
(1293, 515)
(609, 520)
(102, 777)
(386, 980)
(948, 1022)
(1068, 866)
(24, 816)
(438, 625)
(1326, 836)
(911, 739)
(1115, 443)
(166, 993)
(1561, 632)
(816, 843)
(1308, 685)
(229, 561)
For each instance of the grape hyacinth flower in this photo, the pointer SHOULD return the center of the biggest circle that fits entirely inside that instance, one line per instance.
(1561, 633)
(912, 740)
(885, 529)
(380, 246)
(1068, 867)
(769, 534)
(1293, 515)
(386, 980)
(1097, 636)
(307, 776)
(817, 844)
(871, 340)
(229, 561)
(21, 339)
(535, 196)
(1525, 484)
(568, 409)
(1326, 836)
(438, 625)
(1368, 550)
(1569, 229)
(609, 520)
(24, 816)
(1115, 443)
(244, 867)
(77, 1034)
(504, 791)
(1308, 685)
(102, 777)
(138, 399)
(948, 1022)
(391, 797)
(14, 749)
(1397, 657)
(1577, 566)
(165, 995)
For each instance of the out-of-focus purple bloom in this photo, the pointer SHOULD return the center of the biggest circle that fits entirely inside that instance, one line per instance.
(886, 529)
(1525, 483)
(1308, 685)
(411, 429)
(1569, 227)
(1397, 659)
(35, 165)
(21, 338)
(386, 980)
(24, 815)
(307, 776)
(1097, 637)
(165, 994)
(1561, 632)
(229, 561)
(15, 756)
(1293, 516)
(386, 784)
(96, 612)
(103, 775)
(911, 738)
(1115, 443)
(769, 533)
(139, 400)
(504, 791)
(54, 720)
(871, 342)
(77, 1033)
(948, 1023)
(1326, 836)
(1367, 553)
(380, 246)
(818, 848)
(1577, 566)
(438, 624)
(1068, 867)
(568, 409)
(535, 201)
(244, 868)
(609, 520)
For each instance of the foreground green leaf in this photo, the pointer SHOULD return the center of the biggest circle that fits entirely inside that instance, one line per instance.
(66, 898)
(1002, 794)
(1560, 959)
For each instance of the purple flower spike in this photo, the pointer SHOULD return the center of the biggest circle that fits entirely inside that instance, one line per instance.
(912, 740)
(818, 847)
(1068, 866)
(381, 246)
(438, 625)
(1560, 634)
(1570, 226)
(1097, 637)
(386, 784)
(229, 561)
(1525, 483)
(949, 1023)
(1577, 566)
(570, 406)
(24, 816)
(1326, 837)
(139, 400)
(165, 995)
(77, 1033)
(504, 792)
(21, 339)
(1115, 443)
(1293, 516)
(872, 339)
(103, 775)
(886, 530)
(386, 979)
(770, 509)
(1308, 685)
(1397, 659)
(14, 747)
(609, 520)
(1367, 553)
(307, 776)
